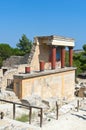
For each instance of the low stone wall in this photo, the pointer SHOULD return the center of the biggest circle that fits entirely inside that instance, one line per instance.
(53, 83)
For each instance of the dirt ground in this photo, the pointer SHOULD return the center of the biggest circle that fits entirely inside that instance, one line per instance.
(71, 120)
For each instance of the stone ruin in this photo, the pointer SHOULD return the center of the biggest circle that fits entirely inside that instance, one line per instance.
(15, 65)
(80, 89)
(47, 53)
(50, 50)
(46, 49)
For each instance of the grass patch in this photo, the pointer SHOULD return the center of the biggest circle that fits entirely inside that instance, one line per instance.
(23, 118)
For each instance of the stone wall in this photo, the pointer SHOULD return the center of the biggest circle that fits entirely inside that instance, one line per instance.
(12, 61)
(14, 65)
(8, 75)
(42, 53)
(39, 52)
(46, 84)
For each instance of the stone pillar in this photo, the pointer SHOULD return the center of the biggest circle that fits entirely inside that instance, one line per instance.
(62, 57)
(27, 69)
(41, 65)
(53, 58)
(70, 56)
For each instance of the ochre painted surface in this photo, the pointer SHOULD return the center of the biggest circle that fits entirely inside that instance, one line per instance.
(51, 85)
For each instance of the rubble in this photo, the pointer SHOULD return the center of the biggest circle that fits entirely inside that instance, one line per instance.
(80, 89)
(48, 105)
(33, 100)
(8, 95)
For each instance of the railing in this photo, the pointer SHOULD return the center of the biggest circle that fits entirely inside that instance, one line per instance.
(28, 107)
(30, 110)
(79, 103)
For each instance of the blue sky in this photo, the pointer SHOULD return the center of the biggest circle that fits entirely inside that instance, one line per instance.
(42, 17)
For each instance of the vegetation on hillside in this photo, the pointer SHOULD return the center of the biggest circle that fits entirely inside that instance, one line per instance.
(79, 60)
(23, 47)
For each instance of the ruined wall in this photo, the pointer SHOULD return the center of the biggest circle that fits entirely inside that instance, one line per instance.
(12, 61)
(50, 85)
(35, 60)
(8, 75)
(39, 52)
(42, 53)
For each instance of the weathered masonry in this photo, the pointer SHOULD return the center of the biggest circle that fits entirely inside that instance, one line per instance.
(51, 50)
(47, 75)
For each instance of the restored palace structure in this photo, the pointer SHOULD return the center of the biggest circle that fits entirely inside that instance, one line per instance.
(46, 73)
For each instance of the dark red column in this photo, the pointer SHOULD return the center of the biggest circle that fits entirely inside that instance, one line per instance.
(27, 69)
(42, 65)
(70, 56)
(53, 57)
(62, 57)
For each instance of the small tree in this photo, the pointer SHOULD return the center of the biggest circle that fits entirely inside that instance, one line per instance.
(5, 51)
(80, 60)
(84, 47)
(83, 59)
(24, 44)
(17, 52)
(77, 62)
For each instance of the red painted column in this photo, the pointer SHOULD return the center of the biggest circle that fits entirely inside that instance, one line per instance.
(53, 58)
(62, 57)
(27, 69)
(70, 56)
(42, 65)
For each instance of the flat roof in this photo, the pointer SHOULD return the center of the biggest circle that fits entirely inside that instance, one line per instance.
(55, 40)
(43, 73)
